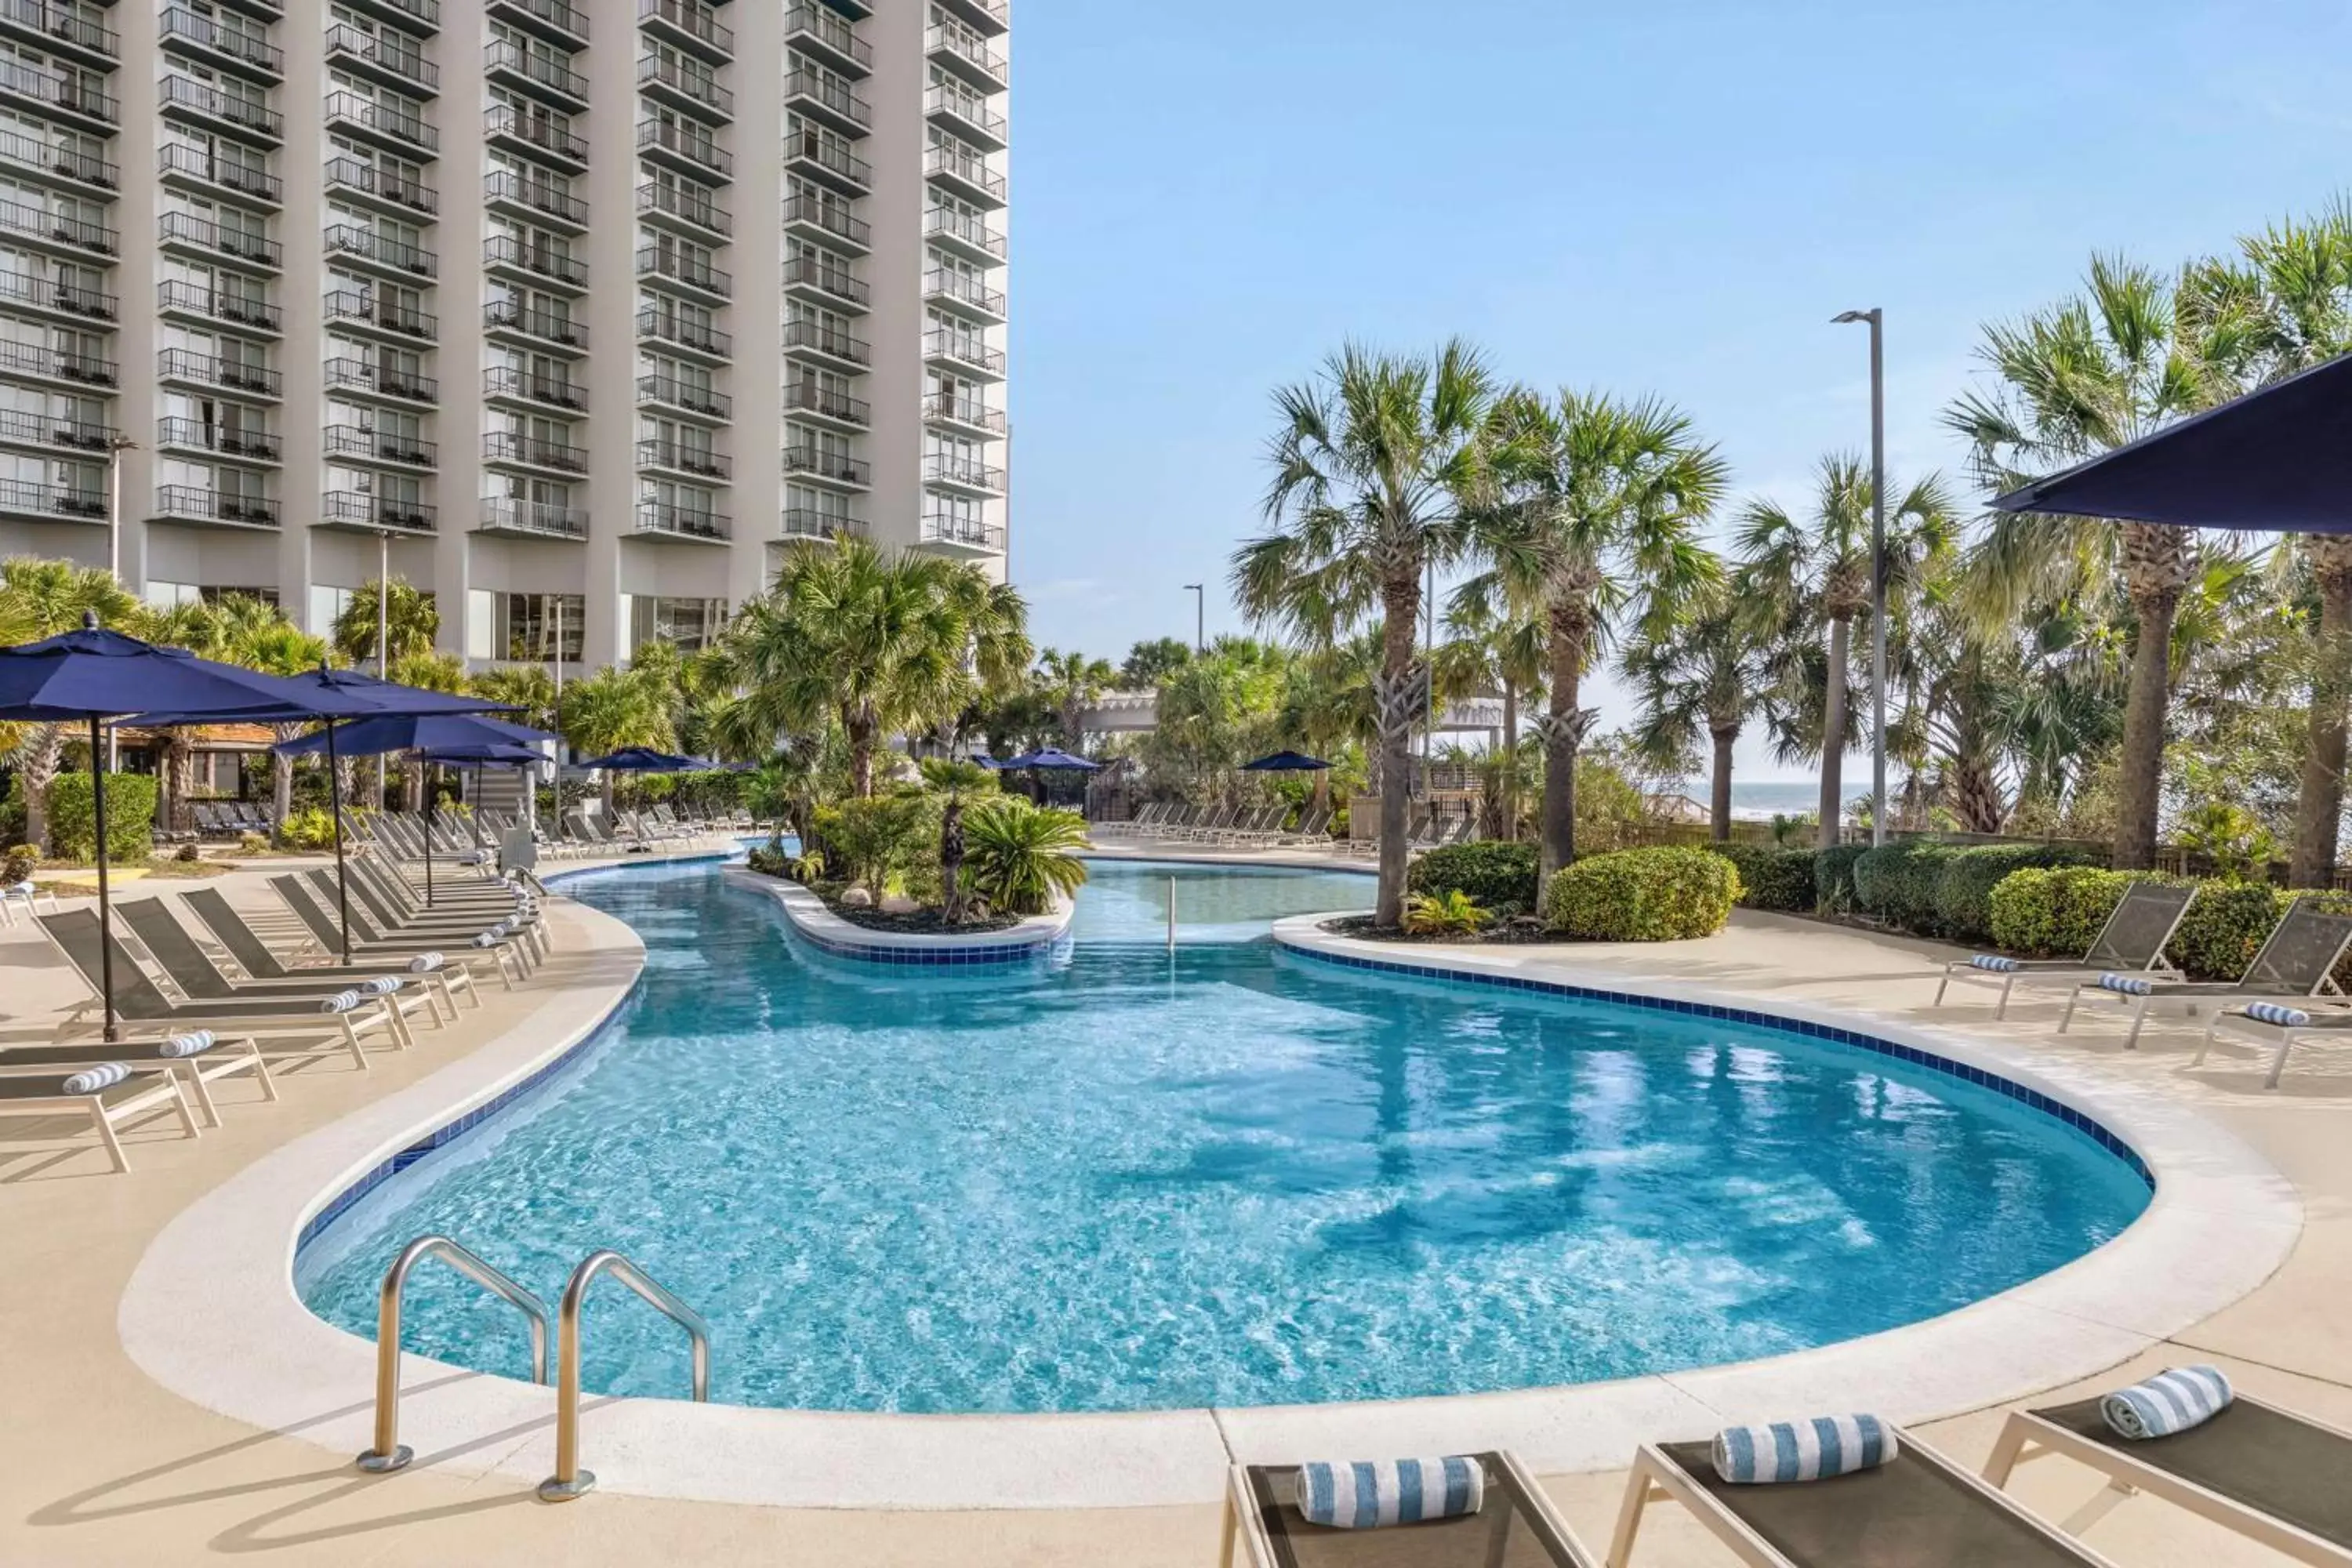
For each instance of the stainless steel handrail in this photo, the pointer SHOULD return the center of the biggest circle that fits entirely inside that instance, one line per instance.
(389, 1453)
(570, 1480)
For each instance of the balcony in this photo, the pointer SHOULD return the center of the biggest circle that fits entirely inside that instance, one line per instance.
(349, 244)
(806, 522)
(83, 171)
(529, 451)
(963, 53)
(376, 514)
(672, 206)
(805, 458)
(515, 384)
(185, 365)
(659, 265)
(425, 13)
(549, 19)
(818, 341)
(669, 392)
(388, 127)
(57, 434)
(682, 151)
(689, 25)
(45, 363)
(77, 305)
(51, 503)
(514, 518)
(539, 75)
(943, 286)
(824, 34)
(965, 354)
(504, 125)
(367, 378)
(534, 199)
(63, 98)
(963, 474)
(356, 442)
(349, 308)
(668, 519)
(816, 92)
(379, 57)
(826, 158)
(677, 333)
(175, 297)
(962, 536)
(57, 232)
(205, 436)
(185, 98)
(830, 221)
(666, 81)
(825, 404)
(988, 18)
(828, 280)
(184, 31)
(186, 231)
(212, 508)
(966, 115)
(965, 173)
(678, 458)
(179, 163)
(966, 414)
(504, 252)
(59, 29)
(360, 181)
(511, 316)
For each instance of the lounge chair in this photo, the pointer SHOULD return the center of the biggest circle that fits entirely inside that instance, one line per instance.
(2131, 942)
(1516, 1527)
(196, 1072)
(137, 1096)
(1916, 1510)
(2280, 1027)
(1314, 827)
(188, 966)
(460, 916)
(2272, 1476)
(26, 894)
(2296, 960)
(326, 934)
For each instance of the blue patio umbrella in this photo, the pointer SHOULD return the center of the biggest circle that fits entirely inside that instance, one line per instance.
(1285, 762)
(646, 759)
(95, 676)
(1052, 757)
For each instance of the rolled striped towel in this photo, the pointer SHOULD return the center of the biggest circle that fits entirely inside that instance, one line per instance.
(1995, 962)
(24, 888)
(2272, 1013)
(89, 1081)
(381, 986)
(341, 1002)
(2172, 1401)
(1365, 1494)
(425, 963)
(2125, 984)
(1804, 1450)
(192, 1043)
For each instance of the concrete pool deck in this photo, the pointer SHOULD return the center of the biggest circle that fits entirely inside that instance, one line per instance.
(102, 1465)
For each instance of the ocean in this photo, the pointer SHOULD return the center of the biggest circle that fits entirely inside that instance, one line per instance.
(1762, 800)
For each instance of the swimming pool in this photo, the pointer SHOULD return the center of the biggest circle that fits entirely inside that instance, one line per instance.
(1131, 1180)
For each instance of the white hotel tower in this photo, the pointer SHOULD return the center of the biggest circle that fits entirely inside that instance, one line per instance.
(592, 305)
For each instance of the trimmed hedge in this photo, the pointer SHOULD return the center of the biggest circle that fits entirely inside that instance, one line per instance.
(1643, 895)
(1771, 877)
(1834, 878)
(1501, 877)
(1898, 883)
(1964, 896)
(1945, 890)
(129, 817)
(2056, 913)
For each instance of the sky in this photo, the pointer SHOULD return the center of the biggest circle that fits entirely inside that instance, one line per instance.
(1670, 198)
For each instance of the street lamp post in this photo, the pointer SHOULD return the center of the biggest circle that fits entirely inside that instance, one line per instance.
(557, 601)
(383, 636)
(116, 446)
(1877, 318)
(1199, 617)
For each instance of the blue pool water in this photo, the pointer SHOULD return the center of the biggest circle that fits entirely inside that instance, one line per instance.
(1130, 1181)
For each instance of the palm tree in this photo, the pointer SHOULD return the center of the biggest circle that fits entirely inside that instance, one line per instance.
(1802, 579)
(1073, 683)
(528, 689)
(1374, 460)
(278, 647)
(412, 620)
(1022, 857)
(612, 709)
(1709, 675)
(956, 783)
(1490, 649)
(1148, 661)
(41, 599)
(2094, 372)
(1598, 523)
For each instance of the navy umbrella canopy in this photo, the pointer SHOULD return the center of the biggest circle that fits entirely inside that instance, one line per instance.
(646, 759)
(1051, 757)
(1285, 762)
(2277, 460)
(427, 732)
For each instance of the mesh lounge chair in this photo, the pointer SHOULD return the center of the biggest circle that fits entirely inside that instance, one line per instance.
(1518, 1528)
(1919, 1509)
(457, 976)
(2131, 942)
(378, 921)
(2272, 1476)
(461, 912)
(2281, 1035)
(320, 920)
(141, 1094)
(196, 1073)
(2295, 961)
(192, 969)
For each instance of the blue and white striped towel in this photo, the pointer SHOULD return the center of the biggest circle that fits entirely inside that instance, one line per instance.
(341, 1002)
(382, 984)
(1995, 962)
(1364, 1494)
(89, 1081)
(490, 938)
(1804, 1450)
(2172, 1401)
(191, 1042)
(425, 963)
(2125, 984)
(2272, 1013)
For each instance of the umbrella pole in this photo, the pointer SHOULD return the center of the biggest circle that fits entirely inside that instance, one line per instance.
(335, 812)
(105, 911)
(432, 815)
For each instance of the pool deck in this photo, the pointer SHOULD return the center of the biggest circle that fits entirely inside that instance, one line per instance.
(101, 1463)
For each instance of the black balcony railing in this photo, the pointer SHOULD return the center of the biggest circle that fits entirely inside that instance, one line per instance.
(63, 23)
(42, 430)
(829, 91)
(810, 272)
(358, 174)
(384, 381)
(213, 370)
(379, 446)
(691, 21)
(186, 228)
(512, 315)
(196, 164)
(365, 244)
(52, 500)
(829, 29)
(182, 25)
(829, 155)
(512, 514)
(197, 504)
(368, 309)
(684, 459)
(807, 397)
(25, 152)
(967, 112)
(196, 299)
(201, 435)
(511, 380)
(662, 327)
(832, 217)
(968, 410)
(69, 298)
(941, 470)
(539, 195)
(554, 13)
(535, 131)
(969, 168)
(695, 87)
(654, 135)
(687, 207)
(808, 522)
(59, 364)
(190, 96)
(33, 222)
(683, 521)
(383, 119)
(349, 509)
(940, 283)
(966, 50)
(65, 94)
(945, 222)
(801, 457)
(539, 260)
(673, 393)
(964, 350)
(655, 262)
(404, 65)
(506, 57)
(948, 528)
(514, 447)
(819, 338)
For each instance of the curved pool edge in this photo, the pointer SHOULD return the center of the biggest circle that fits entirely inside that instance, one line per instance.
(834, 937)
(211, 1313)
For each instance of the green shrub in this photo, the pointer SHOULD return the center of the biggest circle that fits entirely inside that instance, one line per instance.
(1898, 883)
(2225, 927)
(1771, 877)
(1019, 858)
(876, 838)
(309, 828)
(1450, 913)
(1834, 878)
(129, 817)
(252, 844)
(1964, 892)
(17, 864)
(768, 860)
(1643, 895)
(2054, 912)
(1499, 876)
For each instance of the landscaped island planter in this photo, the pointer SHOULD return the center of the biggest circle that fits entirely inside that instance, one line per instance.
(829, 933)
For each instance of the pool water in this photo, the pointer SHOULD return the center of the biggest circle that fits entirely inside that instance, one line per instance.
(1129, 1179)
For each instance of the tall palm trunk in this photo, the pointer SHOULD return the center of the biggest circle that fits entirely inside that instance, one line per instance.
(2156, 571)
(859, 728)
(951, 860)
(1510, 824)
(2319, 808)
(281, 782)
(1719, 805)
(39, 759)
(1832, 805)
(1563, 729)
(1400, 698)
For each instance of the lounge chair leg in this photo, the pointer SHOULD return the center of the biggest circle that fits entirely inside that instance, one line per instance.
(195, 1081)
(2098, 1507)
(1942, 986)
(261, 1070)
(352, 1038)
(187, 1116)
(1629, 1515)
(2001, 1011)
(2068, 1016)
(105, 1135)
(2278, 1058)
(2006, 1451)
(2139, 1017)
(1226, 1533)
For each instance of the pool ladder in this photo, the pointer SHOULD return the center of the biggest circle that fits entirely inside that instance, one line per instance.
(569, 1480)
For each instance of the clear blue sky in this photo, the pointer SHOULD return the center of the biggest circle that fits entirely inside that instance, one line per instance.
(1669, 199)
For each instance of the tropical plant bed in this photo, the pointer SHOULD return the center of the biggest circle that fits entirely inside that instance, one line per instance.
(1514, 932)
(921, 922)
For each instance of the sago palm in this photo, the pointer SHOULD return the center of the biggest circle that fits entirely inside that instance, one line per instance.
(41, 599)
(1020, 857)
(1373, 462)
(958, 784)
